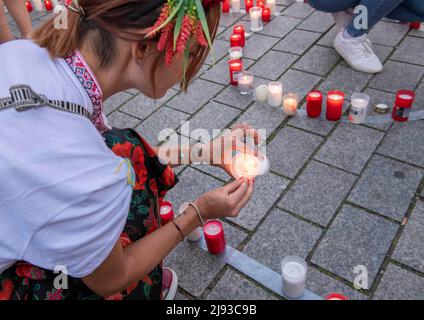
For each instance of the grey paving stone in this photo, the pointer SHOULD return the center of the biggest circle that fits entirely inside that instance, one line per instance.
(197, 268)
(349, 147)
(273, 64)
(400, 284)
(220, 50)
(199, 93)
(416, 33)
(387, 187)
(279, 236)
(419, 97)
(228, 19)
(405, 142)
(383, 52)
(257, 45)
(318, 192)
(318, 60)
(267, 190)
(280, 26)
(396, 76)
(346, 79)
(220, 72)
(213, 171)
(181, 296)
(323, 285)
(164, 118)
(376, 97)
(328, 38)
(318, 21)
(232, 286)
(410, 50)
(141, 106)
(121, 120)
(115, 101)
(297, 41)
(290, 149)
(408, 251)
(231, 96)
(211, 117)
(299, 82)
(263, 117)
(298, 10)
(355, 238)
(388, 33)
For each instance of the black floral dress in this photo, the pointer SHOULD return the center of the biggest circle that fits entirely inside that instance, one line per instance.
(24, 281)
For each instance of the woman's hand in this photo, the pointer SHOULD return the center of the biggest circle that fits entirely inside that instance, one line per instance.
(226, 201)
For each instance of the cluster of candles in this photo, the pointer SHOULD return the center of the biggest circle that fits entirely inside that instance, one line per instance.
(39, 5)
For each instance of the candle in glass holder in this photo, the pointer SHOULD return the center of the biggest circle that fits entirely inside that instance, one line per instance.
(294, 270)
(415, 25)
(290, 104)
(335, 101)
(255, 14)
(214, 236)
(271, 5)
(29, 6)
(260, 4)
(235, 6)
(235, 53)
(358, 108)
(166, 212)
(244, 165)
(239, 29)
(314, 104)
(266, 14)
(235, 40)
(248, 4)
(236, 66)
(403, 105)
(38, 5)
(226, 6)
(275, 94)
(245, 83)
(48, 5)
(195, 235)
(261, 93)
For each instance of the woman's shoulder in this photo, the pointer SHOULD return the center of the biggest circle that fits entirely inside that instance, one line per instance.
(23, 47)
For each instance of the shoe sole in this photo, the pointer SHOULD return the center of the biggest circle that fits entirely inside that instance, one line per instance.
(174, 286)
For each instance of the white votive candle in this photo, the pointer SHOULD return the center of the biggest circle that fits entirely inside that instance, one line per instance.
(235, 6)
(255, 14)
(275, 94)
(290, 104)
(245, 82)
(38, 5)
(235, 53)
(358, 108)
(293, 270)
(271, 5)
(261, 93)
(195, 235)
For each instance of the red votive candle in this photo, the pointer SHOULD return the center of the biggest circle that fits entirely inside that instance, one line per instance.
(415, 25)
(29, 6)
(336, 296)
(214, 236)
(236, 66)
(335, 101)
(166, 212)
(235, 40)
(226, 6)
(260, 4)
(48, 5)
(248, 5)
(239, 29)
(314, 104)
(266, 14)
(403, 105)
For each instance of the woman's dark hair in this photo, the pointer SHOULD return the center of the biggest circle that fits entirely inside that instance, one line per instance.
(108, 20)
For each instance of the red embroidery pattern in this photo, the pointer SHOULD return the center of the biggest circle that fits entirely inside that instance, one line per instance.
(85, 75)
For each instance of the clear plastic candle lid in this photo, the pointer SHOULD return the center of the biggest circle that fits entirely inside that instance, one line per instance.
(249, 166)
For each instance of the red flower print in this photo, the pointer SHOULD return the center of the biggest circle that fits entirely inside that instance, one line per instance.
(150, 223)
(125, 239)
(55, 295)
(116, 296)
(7, 289)
(131, 287)
(154, 186)
(123, 149)
(29, 271)
(140, 170)
(168, 177)
(146, 279)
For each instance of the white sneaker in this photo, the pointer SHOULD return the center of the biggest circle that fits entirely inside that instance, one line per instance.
(342, 18)
(169, 284)
(358, 53)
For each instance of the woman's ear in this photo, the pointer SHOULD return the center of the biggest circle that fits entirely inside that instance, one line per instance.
(139, 50)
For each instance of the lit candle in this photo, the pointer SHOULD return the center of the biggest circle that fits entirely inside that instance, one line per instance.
(245, 83)
(235, 40)
(248, 166)
(29, 6)
(214, 236)
(403, 105)
(275, 94)
(266, 14)
(261, 93)
(195, 235)
(236, 66)
(314, 104)
(415, 25)
(271, 5)
(290, 104)
(226, 6)
(235, 6)
(358, 108)
(260, 4)
(248, 4)
(166, 212)
(235, 53)
(293, 271)
(239, 29)
(381, 108)
(335, 296)
(335, 101)
(255, 14)
(38, 4)
(48, 5)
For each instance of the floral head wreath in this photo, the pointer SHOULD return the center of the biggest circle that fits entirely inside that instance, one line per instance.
(178, 21)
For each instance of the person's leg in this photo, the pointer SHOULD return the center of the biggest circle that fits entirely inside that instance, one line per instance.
(409, 11)
(333, 6)
(5, 33)
(19, 12)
